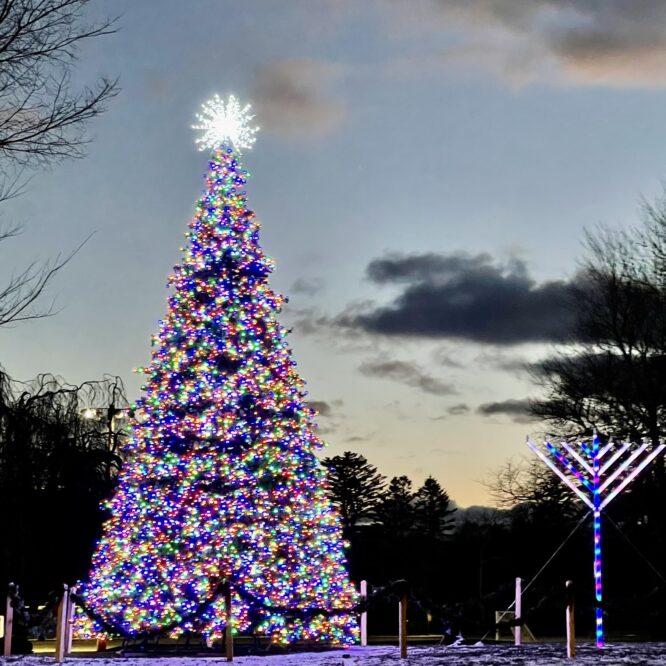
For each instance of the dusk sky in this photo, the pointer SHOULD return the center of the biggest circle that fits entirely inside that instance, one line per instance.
(424, 173)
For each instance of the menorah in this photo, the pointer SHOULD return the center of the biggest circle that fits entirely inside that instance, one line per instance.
(597, 474)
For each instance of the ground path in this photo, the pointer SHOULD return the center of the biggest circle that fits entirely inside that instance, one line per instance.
(650, 654)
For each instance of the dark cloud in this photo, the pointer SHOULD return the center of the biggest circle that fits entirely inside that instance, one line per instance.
(459, 409)
(321, 407)
(518, 410)
(292, 97)
(619, 43)
(465, 297)
(419, 267)
(406, 373)
(308, 287)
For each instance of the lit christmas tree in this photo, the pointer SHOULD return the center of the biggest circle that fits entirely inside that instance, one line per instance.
(222, 482)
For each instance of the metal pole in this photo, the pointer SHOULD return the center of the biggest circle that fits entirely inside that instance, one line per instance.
(9, 625)
(70, 622)
(571, 627)
(517, 633)
(228, 635)
(364, 614)
(61, 626)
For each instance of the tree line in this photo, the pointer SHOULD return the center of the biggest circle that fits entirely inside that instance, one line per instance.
(364, 499)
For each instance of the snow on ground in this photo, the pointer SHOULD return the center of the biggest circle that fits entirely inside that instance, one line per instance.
(649, 654)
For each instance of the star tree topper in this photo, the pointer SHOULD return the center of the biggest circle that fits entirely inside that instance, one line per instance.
(225, 123)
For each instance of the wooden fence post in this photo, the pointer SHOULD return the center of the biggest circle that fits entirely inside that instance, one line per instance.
(70, 622)
(9, 624)
(517, 633)
(364, 614)
(228, 634)
(402, 635)
(571, 627)
(61, 626)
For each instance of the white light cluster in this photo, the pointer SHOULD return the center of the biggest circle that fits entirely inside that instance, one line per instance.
(221, 123)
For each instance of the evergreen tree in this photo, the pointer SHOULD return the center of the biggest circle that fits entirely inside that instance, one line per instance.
(395, 511)
(222, 483)
(354, 487)
(433, 515)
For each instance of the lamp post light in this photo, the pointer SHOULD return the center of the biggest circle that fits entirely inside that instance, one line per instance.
(111, 416)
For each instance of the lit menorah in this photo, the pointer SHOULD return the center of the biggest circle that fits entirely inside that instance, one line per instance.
(597, 474)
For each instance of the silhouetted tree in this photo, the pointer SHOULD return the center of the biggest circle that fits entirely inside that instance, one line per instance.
(611, 381)
(355, 487)
(60, 452)
(433, 516)
(531, 488)
(395, 509)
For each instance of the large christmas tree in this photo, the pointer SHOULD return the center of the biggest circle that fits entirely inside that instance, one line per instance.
(222, 482)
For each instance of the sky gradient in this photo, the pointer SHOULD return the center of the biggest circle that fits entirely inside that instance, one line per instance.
(424, 173)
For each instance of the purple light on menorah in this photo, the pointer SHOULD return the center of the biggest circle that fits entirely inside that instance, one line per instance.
(596, 484)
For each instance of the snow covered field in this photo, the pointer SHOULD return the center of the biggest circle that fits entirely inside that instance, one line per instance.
(650, 654)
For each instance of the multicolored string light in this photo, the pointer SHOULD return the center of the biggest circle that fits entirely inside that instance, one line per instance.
(222, 481)
(596, 484)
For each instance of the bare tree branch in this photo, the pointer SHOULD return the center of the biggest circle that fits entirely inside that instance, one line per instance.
(25, 288)
(42, 118)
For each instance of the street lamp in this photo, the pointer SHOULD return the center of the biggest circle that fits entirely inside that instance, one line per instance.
(111, 415)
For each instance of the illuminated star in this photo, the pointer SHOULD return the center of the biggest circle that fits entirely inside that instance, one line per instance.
(224, 123)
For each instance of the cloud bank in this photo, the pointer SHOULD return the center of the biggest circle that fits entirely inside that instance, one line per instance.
(614, 43)
(464, 297)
